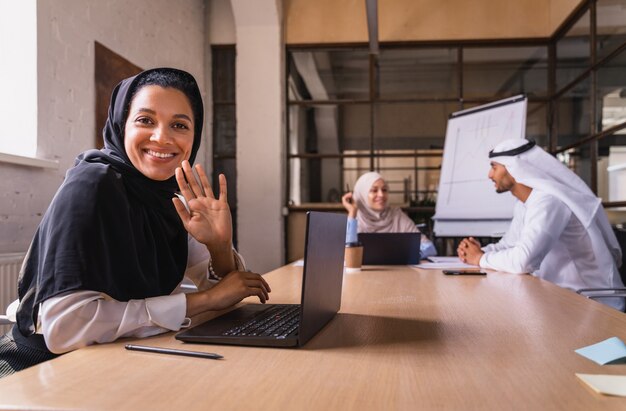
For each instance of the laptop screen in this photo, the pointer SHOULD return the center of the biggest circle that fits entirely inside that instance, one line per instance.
(323, 271)
(390, 248)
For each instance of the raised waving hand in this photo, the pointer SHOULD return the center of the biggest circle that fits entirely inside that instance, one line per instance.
(208, 219)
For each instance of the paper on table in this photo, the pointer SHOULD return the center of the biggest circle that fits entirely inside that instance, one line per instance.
(610, 351)
(605, 384)
(443, 266)
(440, 263)
(298, 263)
(438, 259)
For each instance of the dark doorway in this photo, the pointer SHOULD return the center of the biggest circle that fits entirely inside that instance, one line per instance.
(111, 68)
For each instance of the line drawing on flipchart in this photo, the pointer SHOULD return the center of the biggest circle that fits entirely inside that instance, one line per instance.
(467, 202)
(469, 147)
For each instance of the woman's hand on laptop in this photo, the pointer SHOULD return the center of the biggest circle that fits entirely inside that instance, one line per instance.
(233, 288)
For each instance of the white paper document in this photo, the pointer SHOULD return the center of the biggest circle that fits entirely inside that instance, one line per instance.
(440, 263)
(439, 259)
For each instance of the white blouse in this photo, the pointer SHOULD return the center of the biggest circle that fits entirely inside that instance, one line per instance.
(76, 319)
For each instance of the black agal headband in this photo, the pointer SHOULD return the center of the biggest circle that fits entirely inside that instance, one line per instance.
(515, 151)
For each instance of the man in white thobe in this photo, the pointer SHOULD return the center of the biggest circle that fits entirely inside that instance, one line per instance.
(559, 231)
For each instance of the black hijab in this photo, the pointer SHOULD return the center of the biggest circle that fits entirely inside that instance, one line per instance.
(109, 228)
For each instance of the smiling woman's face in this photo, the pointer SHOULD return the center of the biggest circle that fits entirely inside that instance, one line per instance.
(378, 195)
(159, 131)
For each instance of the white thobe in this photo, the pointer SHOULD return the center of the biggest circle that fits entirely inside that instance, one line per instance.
(547, 240)
(76, 319)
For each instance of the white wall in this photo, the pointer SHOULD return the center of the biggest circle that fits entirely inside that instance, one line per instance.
(222, 22)
(260, 132)
(149, 33)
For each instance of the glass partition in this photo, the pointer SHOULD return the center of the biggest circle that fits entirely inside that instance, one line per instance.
(611, 92)
(573, 115)
(412, 175)
(573, 52)
(612, 172)
(329, 129)
(344, 102)
(611, 29)
(611, 102)
(578, 160)
(315, 180)
(536, 123)
(499, 72)
(411, 125)
(330, 74)
(418, 73)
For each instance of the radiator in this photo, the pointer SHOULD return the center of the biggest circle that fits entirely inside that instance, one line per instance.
(10, 265)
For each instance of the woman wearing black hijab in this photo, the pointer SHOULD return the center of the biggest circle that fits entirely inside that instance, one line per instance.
(116, 242)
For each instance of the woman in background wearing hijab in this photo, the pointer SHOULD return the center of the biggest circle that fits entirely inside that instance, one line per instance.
(369, 212)
(109, 256)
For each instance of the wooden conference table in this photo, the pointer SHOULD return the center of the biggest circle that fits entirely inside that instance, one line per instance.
(404, 339)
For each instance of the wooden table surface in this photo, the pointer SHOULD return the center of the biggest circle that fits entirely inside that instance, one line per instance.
(404, 339)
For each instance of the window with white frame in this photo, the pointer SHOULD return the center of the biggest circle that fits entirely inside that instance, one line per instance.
(18, 94)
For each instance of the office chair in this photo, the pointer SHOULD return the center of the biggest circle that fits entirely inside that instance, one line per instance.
(595, 293)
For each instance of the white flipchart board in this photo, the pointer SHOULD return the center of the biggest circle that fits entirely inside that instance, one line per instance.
(467, 203)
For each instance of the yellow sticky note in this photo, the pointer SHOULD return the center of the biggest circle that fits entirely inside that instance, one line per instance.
(605, 384)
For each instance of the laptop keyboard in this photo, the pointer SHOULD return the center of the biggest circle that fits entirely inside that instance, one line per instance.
(278, 322)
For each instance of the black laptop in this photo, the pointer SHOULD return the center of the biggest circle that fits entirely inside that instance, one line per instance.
(390, 248)
(289, 325)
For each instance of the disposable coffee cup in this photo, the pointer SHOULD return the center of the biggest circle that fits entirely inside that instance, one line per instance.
(354, 256)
